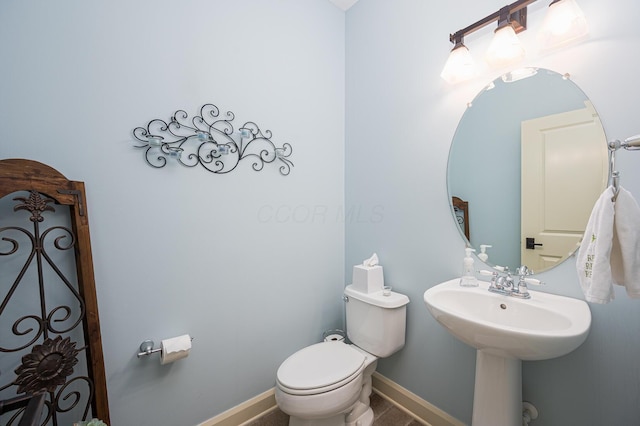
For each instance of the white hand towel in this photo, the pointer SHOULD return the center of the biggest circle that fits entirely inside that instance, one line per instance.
(593, 260)
(625, 252)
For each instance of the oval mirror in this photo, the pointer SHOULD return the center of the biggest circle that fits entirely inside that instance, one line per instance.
(527, 163)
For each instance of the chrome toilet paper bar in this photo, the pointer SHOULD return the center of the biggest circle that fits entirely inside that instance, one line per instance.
(146, 348)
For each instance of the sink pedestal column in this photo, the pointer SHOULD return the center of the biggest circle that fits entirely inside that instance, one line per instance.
(497, 395)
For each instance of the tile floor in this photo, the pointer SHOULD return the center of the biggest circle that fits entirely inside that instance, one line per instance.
(385, 414)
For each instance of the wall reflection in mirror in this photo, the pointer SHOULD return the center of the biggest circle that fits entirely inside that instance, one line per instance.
(529, 158)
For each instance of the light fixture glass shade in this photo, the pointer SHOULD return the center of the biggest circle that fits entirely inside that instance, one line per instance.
(505, 48)
(460, 66)
(563, 24)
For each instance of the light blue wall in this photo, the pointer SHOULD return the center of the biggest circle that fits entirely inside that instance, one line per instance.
(401, 118)
(251, 264)
(179, 250)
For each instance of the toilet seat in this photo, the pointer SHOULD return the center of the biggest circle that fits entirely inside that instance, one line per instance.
(320, 368)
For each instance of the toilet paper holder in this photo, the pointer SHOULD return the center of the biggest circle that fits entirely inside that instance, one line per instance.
(146, 348)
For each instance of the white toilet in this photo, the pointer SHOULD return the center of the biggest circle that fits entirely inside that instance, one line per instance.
(329, 383)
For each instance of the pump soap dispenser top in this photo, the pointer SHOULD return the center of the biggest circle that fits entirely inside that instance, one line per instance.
(468, 278)
(483, 253)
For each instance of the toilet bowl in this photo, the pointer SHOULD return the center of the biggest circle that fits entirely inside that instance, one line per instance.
(329, 383)
(321, 383)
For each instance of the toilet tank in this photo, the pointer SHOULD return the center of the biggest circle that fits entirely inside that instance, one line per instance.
(376, 323)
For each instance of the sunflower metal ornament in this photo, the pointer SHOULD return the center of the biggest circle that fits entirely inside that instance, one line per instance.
(47, 366)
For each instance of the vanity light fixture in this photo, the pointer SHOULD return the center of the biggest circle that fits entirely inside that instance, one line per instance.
(563, 23)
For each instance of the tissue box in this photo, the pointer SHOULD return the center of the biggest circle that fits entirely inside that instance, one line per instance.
(368, 279)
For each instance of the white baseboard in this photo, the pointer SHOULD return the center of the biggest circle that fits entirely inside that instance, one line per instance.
(407, 401)
(411, 403)
(245, 412)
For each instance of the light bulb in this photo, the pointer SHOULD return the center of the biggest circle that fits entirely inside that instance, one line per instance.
(460, 66)
(563, 24)
(505, 48)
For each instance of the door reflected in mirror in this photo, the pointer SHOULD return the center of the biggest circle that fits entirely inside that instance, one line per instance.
(529, 158)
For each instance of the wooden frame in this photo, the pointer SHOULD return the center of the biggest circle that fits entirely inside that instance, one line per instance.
(26, 175)
(461, 211)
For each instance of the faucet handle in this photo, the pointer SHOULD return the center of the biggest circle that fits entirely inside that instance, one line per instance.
(493, 274)
(487, 273)
(534, 281)
(523, 271)
(494, 277)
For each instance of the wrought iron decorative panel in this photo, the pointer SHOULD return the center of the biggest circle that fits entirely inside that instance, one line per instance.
(461, 213)
(47, 303)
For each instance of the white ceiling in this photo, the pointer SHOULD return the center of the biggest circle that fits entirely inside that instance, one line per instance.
(343, 4)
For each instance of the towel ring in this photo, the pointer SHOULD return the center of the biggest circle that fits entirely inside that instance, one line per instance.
(631, 143)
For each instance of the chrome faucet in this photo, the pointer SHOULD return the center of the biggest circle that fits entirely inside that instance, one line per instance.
(502, 284)
(506, 285)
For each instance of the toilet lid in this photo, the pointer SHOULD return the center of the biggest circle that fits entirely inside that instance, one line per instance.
(320, 365)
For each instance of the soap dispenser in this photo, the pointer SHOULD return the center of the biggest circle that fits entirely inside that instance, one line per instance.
(468, 278)
(483, 252)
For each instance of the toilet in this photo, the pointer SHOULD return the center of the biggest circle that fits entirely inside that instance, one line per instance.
(329, 383)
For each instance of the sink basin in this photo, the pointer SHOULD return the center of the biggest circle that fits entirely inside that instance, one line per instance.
(506, 330)
(545, 326)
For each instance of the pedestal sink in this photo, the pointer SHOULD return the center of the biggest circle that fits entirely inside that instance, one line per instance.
(506, 330)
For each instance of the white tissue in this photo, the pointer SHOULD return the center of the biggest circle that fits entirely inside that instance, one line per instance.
(372, 261)
(175, 348)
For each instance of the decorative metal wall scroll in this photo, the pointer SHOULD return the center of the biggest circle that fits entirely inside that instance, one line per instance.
(210, 140)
